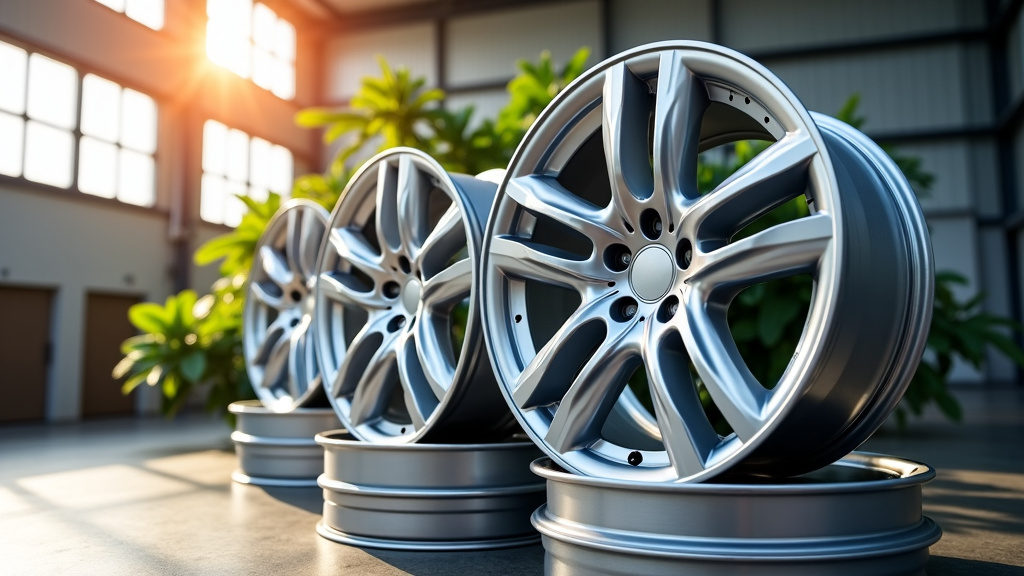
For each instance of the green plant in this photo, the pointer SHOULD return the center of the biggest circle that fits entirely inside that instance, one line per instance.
(186, 343)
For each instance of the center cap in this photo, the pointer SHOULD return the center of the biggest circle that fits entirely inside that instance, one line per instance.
(411, 295)
(652, 273)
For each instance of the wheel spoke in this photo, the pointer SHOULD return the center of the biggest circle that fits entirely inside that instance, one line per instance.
(277, 362)
(734, 389)
(412, 206)
(345, 288)
(544, 195)
(373, 391)
(445, 241)
(521, 258)
(685, 430)
(312, 233)
(626, 109)
(293, 242)
(679, 109)
(421, 397)
(260, 293)
(583, 410)
(769, 180)
(276, 267)
(434, 350)
(448, 287)
(359, 353)
(276, 331)
(785, 249)
(353, 248)
(298, 368)
(546, 378)
(388, 225)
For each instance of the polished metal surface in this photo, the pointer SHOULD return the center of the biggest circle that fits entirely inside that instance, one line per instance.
(398, 332)
(861, 515)
(578, 293)
(276, 337)
(279, 449)
(428, 496)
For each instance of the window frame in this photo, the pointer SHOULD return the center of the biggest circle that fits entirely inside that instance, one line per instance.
(72, 190)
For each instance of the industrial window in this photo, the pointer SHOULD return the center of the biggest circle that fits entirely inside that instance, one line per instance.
(147, 12)
(252, 41)
(40, 121)
(236, 165)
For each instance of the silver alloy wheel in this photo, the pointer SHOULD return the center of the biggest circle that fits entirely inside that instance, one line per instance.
(428, 496)
(396, 294)
(861, 515)
(276, 341)
(601, 256)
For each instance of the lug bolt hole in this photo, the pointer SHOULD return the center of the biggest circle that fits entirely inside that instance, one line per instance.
(519, 318)
(403, 430)
(635, 458)
(617, 257)
(392, 289)
(404, 264)
(684, 253)
(668, 309)
(624, 308)
(396, 324)
(296, 295)
(650, 224)
(294, 322)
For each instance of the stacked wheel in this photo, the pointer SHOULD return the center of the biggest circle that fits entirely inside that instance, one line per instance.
(601, 256)
(277, 342)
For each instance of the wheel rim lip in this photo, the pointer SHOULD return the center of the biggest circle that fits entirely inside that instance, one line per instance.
(275, 227)
(911, 473)
(342, 439)
(467, 360)
(821, 180)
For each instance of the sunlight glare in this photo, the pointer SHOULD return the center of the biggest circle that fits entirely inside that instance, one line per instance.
(211, 198)
(149, 13)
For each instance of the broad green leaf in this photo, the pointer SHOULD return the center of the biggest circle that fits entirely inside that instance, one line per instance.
(193, 365)
(149, 317)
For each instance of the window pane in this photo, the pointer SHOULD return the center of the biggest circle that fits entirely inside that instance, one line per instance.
(263, 68)
(215, 137)
(113, 4)
(97, 167)
(234, 208)
(281, 170)
(52, 91)
(136, 178)
(13, 64)
(138, 122)
(238, 155)
(211, 198)
(264, 26)
(259, 163)
(48, 153)
(259, 194)
(227, 45)
(101, 104)
(284, 80)
(12, 142)
(284, 40)
(147, 12)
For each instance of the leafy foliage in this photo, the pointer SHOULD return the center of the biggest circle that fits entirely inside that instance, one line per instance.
(188, 342)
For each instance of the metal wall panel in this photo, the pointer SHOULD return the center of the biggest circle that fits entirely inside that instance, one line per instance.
(636, 22)
(1015, 57)
(484, 47)
(782, 24)
(918, 88)
(354, 55)
(486, 104)
(950, 162)
(993, 257)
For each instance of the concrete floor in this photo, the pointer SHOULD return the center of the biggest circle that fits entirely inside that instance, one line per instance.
(147, 496)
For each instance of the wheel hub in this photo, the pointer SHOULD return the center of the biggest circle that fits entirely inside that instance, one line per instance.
(411, 295)
(652, 273)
